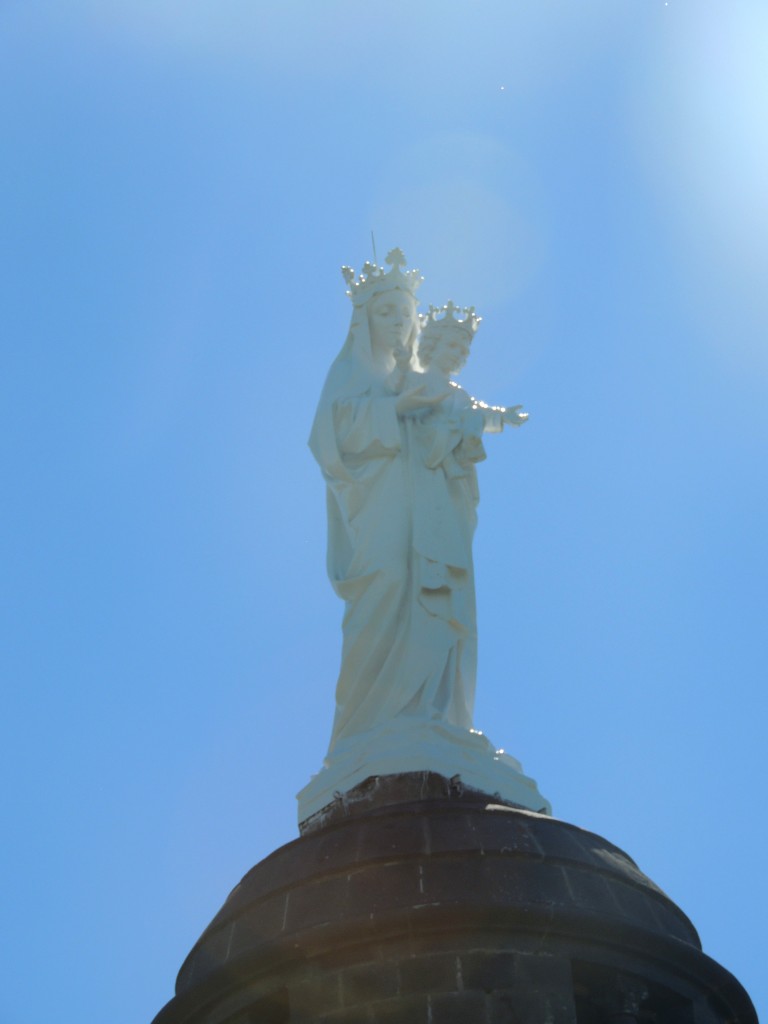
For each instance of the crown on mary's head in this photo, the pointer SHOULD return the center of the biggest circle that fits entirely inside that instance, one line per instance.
(373, 280)
(440, 317)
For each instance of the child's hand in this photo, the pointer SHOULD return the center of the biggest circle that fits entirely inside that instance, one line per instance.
(514, 416)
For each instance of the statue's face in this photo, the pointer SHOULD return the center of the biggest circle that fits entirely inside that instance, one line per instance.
(451, 350)
(391, 318)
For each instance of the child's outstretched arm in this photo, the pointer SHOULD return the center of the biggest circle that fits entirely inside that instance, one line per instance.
(496, 417)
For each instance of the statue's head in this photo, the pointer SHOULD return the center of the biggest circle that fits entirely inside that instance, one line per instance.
(392, 321)
(388, 301)
(445, 340)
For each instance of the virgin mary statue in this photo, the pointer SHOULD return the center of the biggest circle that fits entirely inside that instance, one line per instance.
(399, 547)
(405, 574)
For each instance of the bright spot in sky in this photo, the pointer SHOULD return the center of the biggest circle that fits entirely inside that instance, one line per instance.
(704, 138)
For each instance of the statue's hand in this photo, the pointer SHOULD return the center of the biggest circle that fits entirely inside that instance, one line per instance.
(402, 357)
(514, 416)
(415, 401)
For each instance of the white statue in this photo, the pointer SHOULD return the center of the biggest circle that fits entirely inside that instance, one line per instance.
(397, 442)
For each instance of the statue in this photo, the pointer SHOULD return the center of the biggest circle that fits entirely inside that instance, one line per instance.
(398, 441)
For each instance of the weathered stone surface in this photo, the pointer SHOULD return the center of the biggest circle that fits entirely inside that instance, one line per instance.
(453, 907)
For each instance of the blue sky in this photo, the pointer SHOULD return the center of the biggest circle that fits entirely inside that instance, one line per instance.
(180, 183)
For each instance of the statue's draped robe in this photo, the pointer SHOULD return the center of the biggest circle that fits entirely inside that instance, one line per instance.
(402, 494)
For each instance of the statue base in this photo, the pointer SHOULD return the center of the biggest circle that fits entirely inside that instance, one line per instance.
(421, 901)
(464, 756)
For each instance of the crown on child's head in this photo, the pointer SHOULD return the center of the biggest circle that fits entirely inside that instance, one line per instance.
(373, 280)
(433, 320)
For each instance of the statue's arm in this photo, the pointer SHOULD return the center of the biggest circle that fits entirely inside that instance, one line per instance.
(496, 417)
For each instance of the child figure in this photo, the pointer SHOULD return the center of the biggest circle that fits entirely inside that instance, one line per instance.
(443, 349)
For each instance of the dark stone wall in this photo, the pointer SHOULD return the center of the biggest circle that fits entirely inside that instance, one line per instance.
(413, 901)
